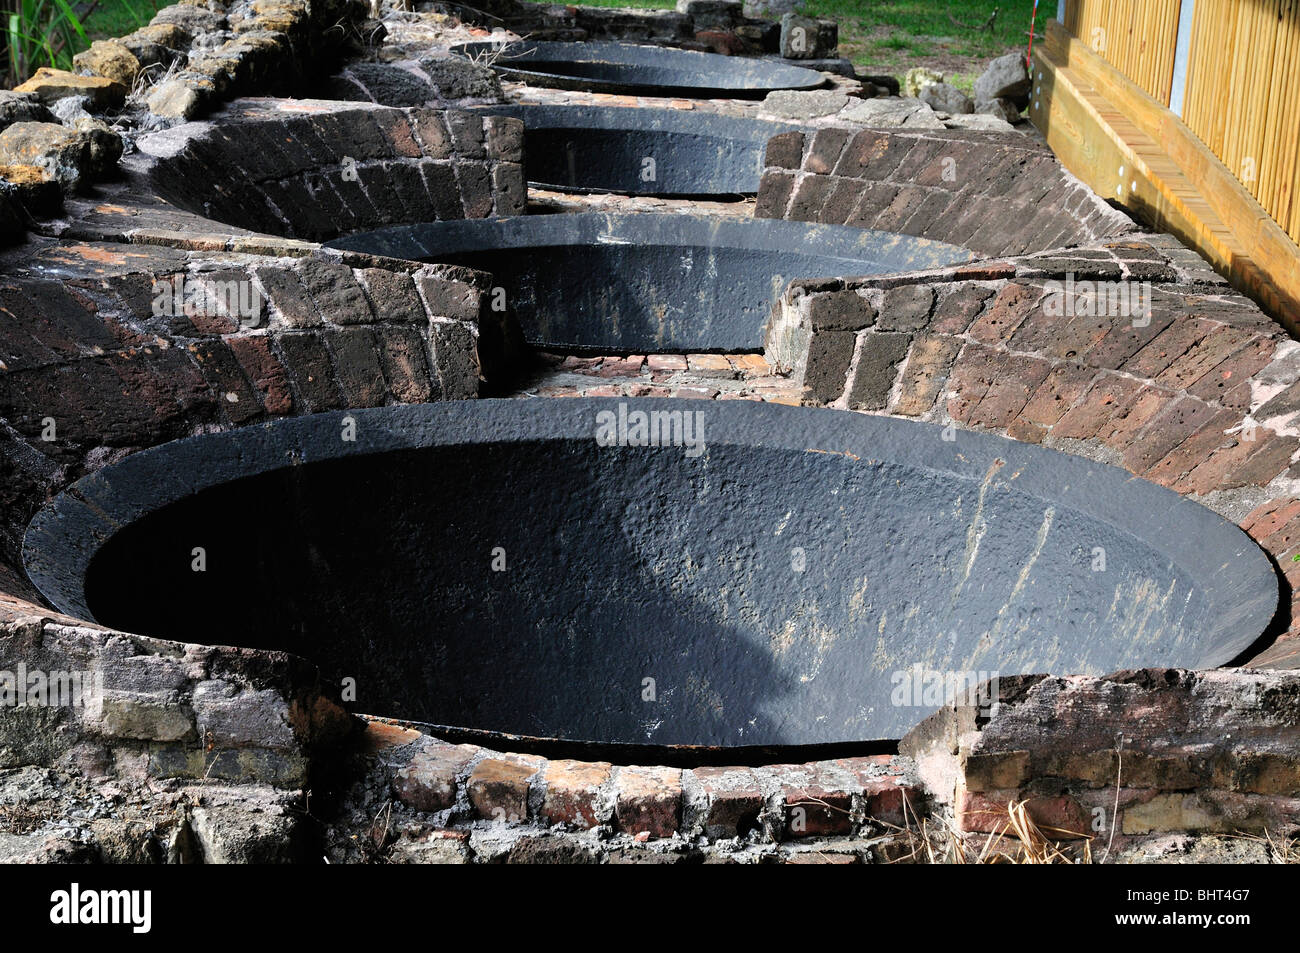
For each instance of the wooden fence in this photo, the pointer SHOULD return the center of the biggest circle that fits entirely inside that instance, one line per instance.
(1235, 79)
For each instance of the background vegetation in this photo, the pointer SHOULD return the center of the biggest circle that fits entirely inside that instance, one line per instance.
(954, 37)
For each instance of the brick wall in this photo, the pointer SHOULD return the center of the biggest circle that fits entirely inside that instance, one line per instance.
(1149, 753)
(116, 366)
(1199, 396)
(995, 194)
(314, 169)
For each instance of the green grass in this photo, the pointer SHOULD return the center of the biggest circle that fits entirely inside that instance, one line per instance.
(879, 36)
(120, 17)
(892, 36)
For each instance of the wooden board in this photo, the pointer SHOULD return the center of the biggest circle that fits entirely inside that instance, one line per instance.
(1133, 151)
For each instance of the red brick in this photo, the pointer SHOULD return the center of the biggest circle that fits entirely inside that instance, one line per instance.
(1216, 347)
(1284, 539)
(824, 154)
(814, 810)
(666, 362)
(710, 365)
(1220, 382)
(227, 378)
(885, 796)
(1107, 395)
(265, 371)
(1013, 304)
(1291, 570)
(1166, 347)
(890, 802)
(398, 133)
(1183, 418)
(1268, 518)
(1009, 391)
(1129, 419)
(870, 767)
(1072, 337)
(985, 271)
(734, 800)
(1245, 463)
(648, 799)
(1059, 818)
(622, 367)
(428, 782)
(405, 364)
(1026, 431)
(498, 787)
(1195, 450)
(751, 365)
(383, 735)
(1064, 384)
(973, 372)
(1125, 339)
(573, 792)
(958, 309)
(925, 373)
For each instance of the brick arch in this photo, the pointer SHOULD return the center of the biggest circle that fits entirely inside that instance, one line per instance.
(315, 169)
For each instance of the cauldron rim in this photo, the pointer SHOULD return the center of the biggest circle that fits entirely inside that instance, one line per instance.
(1232, 573)
(714, 69)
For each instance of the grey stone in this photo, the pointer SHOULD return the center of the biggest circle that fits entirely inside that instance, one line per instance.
(145, 718)
(712, 14)
(251, 824)
(806, 38)
(946, 98)
(27, 784)
(772, 8)
(382, 83)
(21, 107)
(174, 99)
(456, 79)
(1002, 108)
(43, 848)
(892, 112)
(432, 848)
(71, 108)
(1188, 849)
(228, 716)
(72, 156)
(877, 369)
(110, 59)
(148, 51)
(797, 104)
(194, 20)
(156, 675)
(980, 121)
(105, 145)
(126, 841)
(1007, 76)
